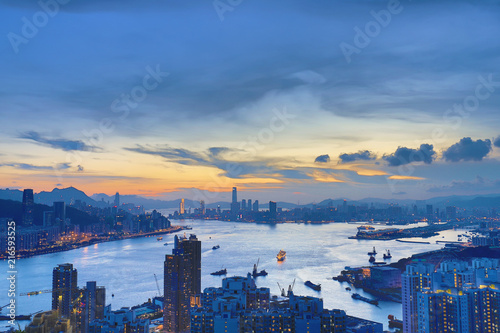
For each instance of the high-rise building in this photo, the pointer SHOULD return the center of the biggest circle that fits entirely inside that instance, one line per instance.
(235, 195)
(416, 277)
(272, 209)
(60, 212)
(92, 305)
(117, 199)
(249, 204)
(256, 206)
(451, 212)
(243, 204)
(202, 207)
(181, 207)
(28, 207)
(64, 288)
(182, 282)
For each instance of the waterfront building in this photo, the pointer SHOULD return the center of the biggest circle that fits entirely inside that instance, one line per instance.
(240, 306)
(64, 289)
(385, 277)
(359, 325)
(182, 282)
(249, 204)
(243, 204)
(123, 320)
(235, 205)
(92, 305)
(60, 213)
(416, 277)
(256, 206)
(28, 208)
(272, 209)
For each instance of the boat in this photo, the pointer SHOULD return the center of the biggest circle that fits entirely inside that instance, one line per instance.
(188, 227)
(256, 273)
(165, 244)
(281, 255)
(394, 322)
(373, 252)
(372, 259)
(18, 317)
(348, 289)
(215, 247)
(311, 285)
(221, 272)
(366, 228)
(387, 255)
(159, 238)
(364, 299)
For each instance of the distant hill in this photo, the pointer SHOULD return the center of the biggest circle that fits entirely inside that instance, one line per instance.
(68, 195)
(13, 209)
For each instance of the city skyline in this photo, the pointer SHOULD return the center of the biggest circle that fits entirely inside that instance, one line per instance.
(302, 102)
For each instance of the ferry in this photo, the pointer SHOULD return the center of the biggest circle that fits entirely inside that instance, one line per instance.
(221, 272)
(311, 285)
(387, 255)
(281, 255)
(364, 299)
(374, 252)
(366, 228)
(159, 238)
(215, 247)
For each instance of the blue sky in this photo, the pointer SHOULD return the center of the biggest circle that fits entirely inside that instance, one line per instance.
(174, 99)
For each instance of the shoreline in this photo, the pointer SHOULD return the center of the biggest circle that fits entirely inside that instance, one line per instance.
(93, 241)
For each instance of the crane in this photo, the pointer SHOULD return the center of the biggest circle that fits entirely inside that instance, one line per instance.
(282, 290)
(157, 285)
(38, 292)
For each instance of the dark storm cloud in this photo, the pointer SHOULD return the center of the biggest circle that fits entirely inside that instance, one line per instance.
(468, 150)
(66, 145)
(365, 155)
(213, 157)
(403, 155)
(497, 142)
(322, 159)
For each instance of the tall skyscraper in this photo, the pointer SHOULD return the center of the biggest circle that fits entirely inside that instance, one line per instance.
(416, 278)
(60, 212)
(235, 205)
(117, 199)
(28, 207)
(249, 204)
(243, 204)
(273, 209)
(64, 288)
(182, 282)
(93, 303)
(256, 206)
(181, 207)
(202, 207)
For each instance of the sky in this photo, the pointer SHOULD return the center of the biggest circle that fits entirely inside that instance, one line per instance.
(294, 101)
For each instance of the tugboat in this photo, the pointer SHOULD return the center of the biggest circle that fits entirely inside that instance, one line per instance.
(311, 285)
(373, 252)
(215, 247)
(372, 259)
(166, 244)
(281, 255)
(221, 272)
(159, 238)
(387, 255)
(348, 288)
(255, 273)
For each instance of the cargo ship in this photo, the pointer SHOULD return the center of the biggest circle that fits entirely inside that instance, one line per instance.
(311, 285)
(387, 255)
(215, 247)
(256, 273)
(364, 299)
(281, 255)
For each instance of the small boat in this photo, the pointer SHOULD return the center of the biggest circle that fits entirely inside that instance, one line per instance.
(364, 299)
(221, 272)
(215, 247)
(112, 295)
(281, 255)
(394, 322)
(348, 289)
(372, 259)
(311, 285)
(159, 238)
(165, 244)
(387, 255)
(373, 252)
(188, 227)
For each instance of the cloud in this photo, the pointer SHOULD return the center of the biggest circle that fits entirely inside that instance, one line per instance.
(478, 184)
(403, 155)
(468, 150)
(27, 166)
(264, 168)
(322, 159)
(400, 177)
(364, 155)
(497, 142)
(66, 145)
